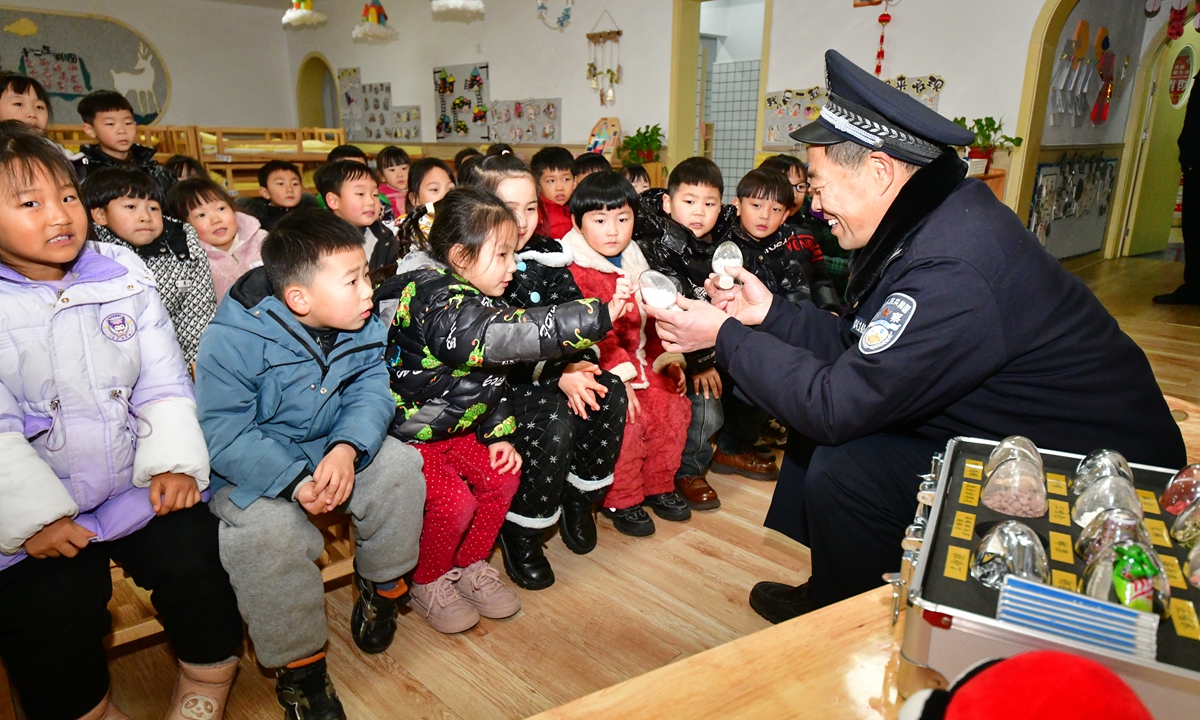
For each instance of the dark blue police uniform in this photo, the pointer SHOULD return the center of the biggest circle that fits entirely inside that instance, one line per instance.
(961, 324)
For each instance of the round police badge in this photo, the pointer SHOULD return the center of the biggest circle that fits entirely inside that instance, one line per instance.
(118, 327)
(886, 327)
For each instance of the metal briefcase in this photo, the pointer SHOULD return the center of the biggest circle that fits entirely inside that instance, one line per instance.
(950, 624)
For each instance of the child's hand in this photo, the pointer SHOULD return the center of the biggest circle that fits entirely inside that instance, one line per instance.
(708, 382)
(621, 299)
(676, 373)
(578, 383)
(334, 475)
(62, 538)
(635, 405)
(313, 500)
(505, 458)
(173, 491)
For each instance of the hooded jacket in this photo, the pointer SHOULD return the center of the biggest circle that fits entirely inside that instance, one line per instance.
(272, 403)
(184, 279)
(244, 255)
(789, 262)
(91, 158)
(94, 400)
(450, 346)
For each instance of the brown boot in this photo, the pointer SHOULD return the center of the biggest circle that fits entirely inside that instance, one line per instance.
(748, 464)
(201, 690)
(105, 711)
(698, 493)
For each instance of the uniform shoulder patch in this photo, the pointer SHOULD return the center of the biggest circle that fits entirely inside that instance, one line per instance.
(888, 324)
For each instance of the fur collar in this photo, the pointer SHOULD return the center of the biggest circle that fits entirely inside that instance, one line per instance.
(633, 263)
(550, 253)
(418, 260)
(921, 195)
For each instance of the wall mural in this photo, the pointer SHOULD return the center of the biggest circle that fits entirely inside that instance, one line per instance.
(72, 55)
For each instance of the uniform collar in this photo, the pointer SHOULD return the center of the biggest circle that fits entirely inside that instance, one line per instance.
(927, 189)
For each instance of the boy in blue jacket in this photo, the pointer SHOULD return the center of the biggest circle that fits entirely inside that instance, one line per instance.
(294, 402)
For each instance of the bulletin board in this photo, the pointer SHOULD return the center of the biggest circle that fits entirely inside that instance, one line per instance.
(462, 98)
(533, 121)
(73, 54)
(1071, 203)
(368, 114)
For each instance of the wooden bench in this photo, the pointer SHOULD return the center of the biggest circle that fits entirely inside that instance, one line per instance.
(167, 140)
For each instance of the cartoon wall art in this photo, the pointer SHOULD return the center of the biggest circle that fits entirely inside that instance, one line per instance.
(463, 95)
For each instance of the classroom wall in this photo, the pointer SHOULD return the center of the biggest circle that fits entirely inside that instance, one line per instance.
(738, 25)
(978, 46)
(526, 58)
(228, 63)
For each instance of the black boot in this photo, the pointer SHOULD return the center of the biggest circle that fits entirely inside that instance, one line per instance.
(524, 561)
(307, 693)
(777, 602)
(577, 524)
(373, 623)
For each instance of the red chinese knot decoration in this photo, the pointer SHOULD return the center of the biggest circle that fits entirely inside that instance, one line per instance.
(884, 19)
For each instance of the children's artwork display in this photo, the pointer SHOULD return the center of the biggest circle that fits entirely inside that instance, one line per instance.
(368, 114)
(534, 121)
(1071, 203)
(605, 137)
(924, 88)
(72, 55)
(463, 98)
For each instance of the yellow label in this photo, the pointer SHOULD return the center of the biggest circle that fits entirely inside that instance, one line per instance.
(1060, 548)
(1183, 614)
(1158, 532)
(973, 470)
(969, 494)
(964, 526)
(1060, 512)
(1056, 484)
(1174, 573)
(1149, 502)
(1064, 580)
(957, 560)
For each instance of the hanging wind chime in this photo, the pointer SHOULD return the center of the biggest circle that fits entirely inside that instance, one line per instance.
(884, 18)
(302, 13)
(604, 65)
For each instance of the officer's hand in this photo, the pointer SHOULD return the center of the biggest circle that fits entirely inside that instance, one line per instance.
(695, 329)
(748, 302)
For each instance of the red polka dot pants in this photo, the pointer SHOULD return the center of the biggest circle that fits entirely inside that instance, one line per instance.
(465, 504)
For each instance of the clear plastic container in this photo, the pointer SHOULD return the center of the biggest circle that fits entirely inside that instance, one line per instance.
(1010, 548)
(1131, 574)
(1016, 487)
(1186, 529)
(1014, 446)
(727, 255)
(1100, 464)
(1183, 490)
(1106, 493)
(657, 290)
(1108, 528)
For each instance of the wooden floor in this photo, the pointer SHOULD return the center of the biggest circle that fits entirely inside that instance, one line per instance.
(632, 605)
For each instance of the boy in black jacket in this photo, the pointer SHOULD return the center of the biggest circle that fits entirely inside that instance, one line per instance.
(108, 118)
(351, 190)
(280, 190)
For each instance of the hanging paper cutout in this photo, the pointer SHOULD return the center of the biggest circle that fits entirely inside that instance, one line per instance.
(374, 24)
(564, 18)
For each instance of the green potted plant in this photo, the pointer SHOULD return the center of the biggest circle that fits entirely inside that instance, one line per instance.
(989, 137)
(641, 147)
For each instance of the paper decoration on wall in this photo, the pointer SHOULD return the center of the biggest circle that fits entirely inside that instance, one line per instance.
(564, 18)
(605, 137)
(374, 24)
(1071, 202)
(1072, 78)
(368, 114)
(463, 98)
(462, 6)
(785, 111)
(303, 14)
(604, 65)
(925, 88)
(1106, 65)
(535, 121)
(72, 55)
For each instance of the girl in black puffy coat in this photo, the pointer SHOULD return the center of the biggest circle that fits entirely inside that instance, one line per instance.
(450, 343)
(570, 413)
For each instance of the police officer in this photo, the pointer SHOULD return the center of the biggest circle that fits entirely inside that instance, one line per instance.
(959, 323)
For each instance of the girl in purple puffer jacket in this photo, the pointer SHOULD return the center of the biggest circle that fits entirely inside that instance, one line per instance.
(101, 456)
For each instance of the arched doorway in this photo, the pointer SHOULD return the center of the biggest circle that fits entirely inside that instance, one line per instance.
(1034, 96)
(316, 93)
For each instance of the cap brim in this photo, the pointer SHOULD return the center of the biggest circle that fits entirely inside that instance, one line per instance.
(815, 133)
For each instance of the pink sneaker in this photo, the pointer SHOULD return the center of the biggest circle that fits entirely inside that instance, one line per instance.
(480, 586)
(441, 605)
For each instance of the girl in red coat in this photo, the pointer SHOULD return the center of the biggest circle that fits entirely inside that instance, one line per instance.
(602, 208)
